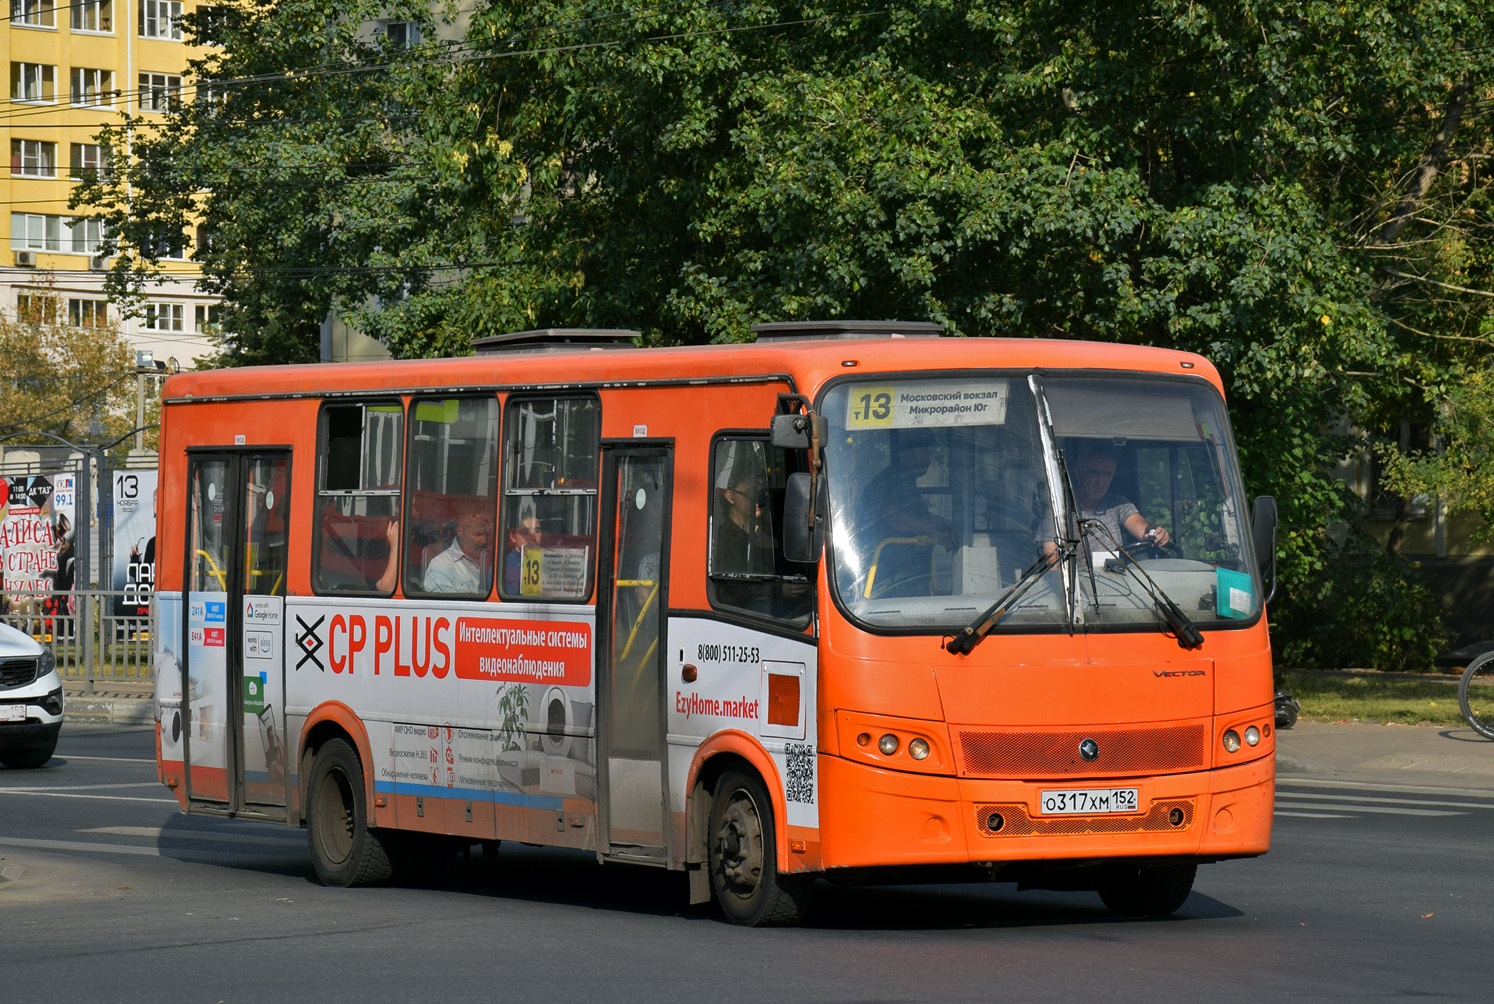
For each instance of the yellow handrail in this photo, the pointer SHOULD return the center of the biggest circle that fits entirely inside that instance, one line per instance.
(922, 540)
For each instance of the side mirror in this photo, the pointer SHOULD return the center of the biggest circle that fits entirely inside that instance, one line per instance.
(793, 432)
(800, 543)
(1263, 536)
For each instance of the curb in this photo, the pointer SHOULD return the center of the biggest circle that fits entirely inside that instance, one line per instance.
(106, 710)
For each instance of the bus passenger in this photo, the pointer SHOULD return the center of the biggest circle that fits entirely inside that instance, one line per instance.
(524, 535)
(1092, 468)
(386, 581)
(462, 567)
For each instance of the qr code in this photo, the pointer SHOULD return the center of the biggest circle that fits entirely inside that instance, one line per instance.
(800, 773)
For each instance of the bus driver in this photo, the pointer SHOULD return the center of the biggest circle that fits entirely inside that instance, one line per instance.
(1092, 469)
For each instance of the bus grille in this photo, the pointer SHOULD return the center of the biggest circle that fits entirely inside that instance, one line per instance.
(1056, 754)
(1013, 821)
(17, 672)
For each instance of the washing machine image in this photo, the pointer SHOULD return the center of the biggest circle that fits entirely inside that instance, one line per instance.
(561, 756)
(169, 704)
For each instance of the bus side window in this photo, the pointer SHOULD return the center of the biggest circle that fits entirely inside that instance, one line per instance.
(549, 528)
(360, 451)
(453, 487)
(746, 569)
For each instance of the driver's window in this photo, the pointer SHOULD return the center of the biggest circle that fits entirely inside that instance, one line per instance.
(746, 568)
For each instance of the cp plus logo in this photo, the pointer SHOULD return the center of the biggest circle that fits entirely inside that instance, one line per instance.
(309, 641)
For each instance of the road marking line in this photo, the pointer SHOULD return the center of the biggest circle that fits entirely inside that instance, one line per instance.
(107, 798)
(92, 847)
(1303, 782)
(107, 759)
(1392, 801)
(292, 838)
(1311, 815)
(1381, 809)
(89, 787)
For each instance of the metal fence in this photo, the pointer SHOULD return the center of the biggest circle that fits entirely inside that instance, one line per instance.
(95, 635)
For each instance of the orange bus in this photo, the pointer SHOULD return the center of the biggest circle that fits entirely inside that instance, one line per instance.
(855, 602)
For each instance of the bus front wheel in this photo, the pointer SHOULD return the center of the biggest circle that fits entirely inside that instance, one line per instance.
(344, 850)
(744, 857)
(1137, 891)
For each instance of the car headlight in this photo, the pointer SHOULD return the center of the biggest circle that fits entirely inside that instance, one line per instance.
(46, 663)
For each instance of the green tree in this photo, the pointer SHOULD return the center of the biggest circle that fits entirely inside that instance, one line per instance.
(1295, 191)
(76, 383)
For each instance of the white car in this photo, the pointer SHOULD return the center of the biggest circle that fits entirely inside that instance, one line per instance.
(30, 700)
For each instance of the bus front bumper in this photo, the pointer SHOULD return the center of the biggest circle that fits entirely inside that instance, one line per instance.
(873, 817)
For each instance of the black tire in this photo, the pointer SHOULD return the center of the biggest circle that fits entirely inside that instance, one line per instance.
(344, 850)
(744, 857)
(1138, 891)
(1476, 695)
(30, 758)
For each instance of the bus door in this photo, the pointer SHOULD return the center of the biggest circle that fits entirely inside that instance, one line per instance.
(630, 686)
(234, 680)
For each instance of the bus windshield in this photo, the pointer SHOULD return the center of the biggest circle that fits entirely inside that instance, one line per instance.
(946, 492)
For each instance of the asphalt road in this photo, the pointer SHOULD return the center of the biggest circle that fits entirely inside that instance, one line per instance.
(1373, 890)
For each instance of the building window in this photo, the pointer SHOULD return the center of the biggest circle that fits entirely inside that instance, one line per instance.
(159, 92)
(88, 313)
(402, 34)
(172, 244)
(36, 308)
(207, 318)
(33, 158)
(211, 25)
(87, 161)
(161, 19)
(163, 316)
(553, 456)
(37, 13)
(86, 234)
(93, 15)
(34, 232)
(92, 87)
(357, 506)
(33, 82)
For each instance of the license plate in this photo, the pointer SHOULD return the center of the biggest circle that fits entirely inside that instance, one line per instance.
(1087, 801)
(12, 712)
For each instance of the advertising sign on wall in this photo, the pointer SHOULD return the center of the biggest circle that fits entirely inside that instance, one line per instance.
(38, 532)
(134, 571)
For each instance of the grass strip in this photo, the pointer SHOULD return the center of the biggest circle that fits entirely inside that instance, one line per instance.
(1335, 696)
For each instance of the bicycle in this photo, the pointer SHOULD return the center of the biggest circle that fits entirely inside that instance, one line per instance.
(1476, 695)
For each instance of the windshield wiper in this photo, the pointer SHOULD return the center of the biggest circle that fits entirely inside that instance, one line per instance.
(966, 640)
(1183, 629)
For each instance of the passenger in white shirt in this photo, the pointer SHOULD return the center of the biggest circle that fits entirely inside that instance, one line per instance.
(462, 567)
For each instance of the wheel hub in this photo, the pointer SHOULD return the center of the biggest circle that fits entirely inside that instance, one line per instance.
(740, 840)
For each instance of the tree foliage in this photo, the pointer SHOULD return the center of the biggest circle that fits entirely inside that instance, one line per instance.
(75, 383)
(1296, 191)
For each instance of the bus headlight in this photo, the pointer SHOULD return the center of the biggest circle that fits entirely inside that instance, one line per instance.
(1252, 735)
(1232, 741)
(918, 749)
(887, 744)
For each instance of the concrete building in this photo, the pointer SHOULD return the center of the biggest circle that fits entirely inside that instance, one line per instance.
(74, 68)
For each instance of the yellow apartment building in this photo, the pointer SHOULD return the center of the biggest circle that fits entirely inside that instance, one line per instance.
(74, 68)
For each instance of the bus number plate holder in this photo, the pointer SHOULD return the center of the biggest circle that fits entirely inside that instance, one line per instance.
(1087, 801)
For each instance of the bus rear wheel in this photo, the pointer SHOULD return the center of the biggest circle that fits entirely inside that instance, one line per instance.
(744, 857)
(344, 850)
(1139, 891)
